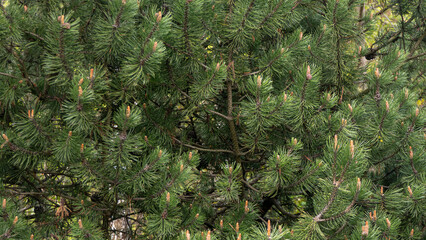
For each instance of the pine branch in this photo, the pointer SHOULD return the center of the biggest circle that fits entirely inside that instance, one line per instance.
(143, 170)
(348, 208)
(338, 231)
(8, 75)
(302, 179)
(338, 48)
(249, 185)
(281, 210)
(243, 22)
(184, 144)
(337, 184)
(118, 18)
(391, 40)
(260, 71)
(416, 45)
(153, 30)
(14, 147)
(8, 17)
(34, 122)
(62, 54)
(185, 28)
(231, 124)
(35, 35)
(92, 170)
(414, 57)
(221, 115)
(267, 17)
(21, 66)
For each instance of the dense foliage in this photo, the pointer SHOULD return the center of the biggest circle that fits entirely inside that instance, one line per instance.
(212, 119)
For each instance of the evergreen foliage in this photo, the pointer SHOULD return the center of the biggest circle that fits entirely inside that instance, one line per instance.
(212, 119)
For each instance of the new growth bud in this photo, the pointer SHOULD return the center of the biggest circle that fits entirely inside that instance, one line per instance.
(259, 81)
(359, 49)
(365, 229)
(388, 222)
(160, 153)
(25, 8)
(309, 47)
(80, 91)
(410, 191)
(91, 73)
(239, 237)
(269, 228)
(230, 170)
(358, 184)
(246, 209)
(159, 16)
(352, 148)
(411, 153)
(221, 223)
(335, 142)
(32, 237)
(31, 113)
(387, 106)
(168, 197)
(15, 220)
(128, 112)
(80, 224)
(237, 227)
(417, 112)
(3, 206)
(377, 73)
(300, 36)
(208, 235)
(308, 73)
(81, 81)
(350, 107)
(190, 156)
(155, 46)
(188, 236)
(285, 97)
(217, 67)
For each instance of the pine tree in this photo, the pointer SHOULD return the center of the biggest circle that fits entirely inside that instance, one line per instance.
(212, 119)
